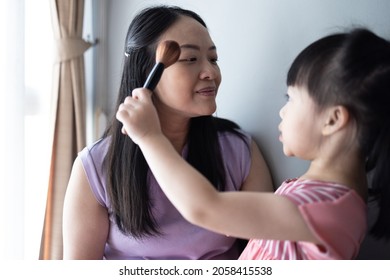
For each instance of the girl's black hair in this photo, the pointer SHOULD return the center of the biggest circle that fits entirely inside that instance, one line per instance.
(353, 69)
(124, 163)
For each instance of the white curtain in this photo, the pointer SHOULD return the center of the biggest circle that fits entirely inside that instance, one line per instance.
(26, 63)
(12, 129)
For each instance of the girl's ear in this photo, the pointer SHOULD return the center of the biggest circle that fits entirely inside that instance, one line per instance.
(336, 118)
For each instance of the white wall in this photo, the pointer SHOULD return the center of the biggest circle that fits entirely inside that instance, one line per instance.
(256, 40)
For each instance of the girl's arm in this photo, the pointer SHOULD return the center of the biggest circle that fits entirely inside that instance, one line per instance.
(240, 214)
(85, 221)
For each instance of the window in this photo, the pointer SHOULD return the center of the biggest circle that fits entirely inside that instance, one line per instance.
(39, 57)
(26, 48)
(27, 56)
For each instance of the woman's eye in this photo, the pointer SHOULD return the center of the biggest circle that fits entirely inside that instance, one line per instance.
(190, 59)
(214, 60)
(287, 97)
(195, 59)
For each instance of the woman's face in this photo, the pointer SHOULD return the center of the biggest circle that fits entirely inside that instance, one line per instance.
(188, 88)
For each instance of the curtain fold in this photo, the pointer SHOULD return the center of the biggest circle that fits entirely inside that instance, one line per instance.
(68, 116)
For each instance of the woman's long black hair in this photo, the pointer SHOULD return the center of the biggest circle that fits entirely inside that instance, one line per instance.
(124, 163)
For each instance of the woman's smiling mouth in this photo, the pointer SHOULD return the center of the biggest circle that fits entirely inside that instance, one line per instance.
(208, 91)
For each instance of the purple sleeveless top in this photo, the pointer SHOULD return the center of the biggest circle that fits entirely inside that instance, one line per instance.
(179, 239)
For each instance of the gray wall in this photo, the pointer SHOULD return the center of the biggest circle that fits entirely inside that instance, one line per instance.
(257, 40)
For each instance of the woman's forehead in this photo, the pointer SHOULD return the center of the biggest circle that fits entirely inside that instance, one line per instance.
(188, 31)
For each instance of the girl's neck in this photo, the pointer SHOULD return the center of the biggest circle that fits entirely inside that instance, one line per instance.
(345, 170)
(339, 160)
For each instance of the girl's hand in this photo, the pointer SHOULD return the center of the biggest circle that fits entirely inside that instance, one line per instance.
(139, 116)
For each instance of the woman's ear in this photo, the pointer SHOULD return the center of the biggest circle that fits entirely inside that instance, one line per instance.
(336, 118)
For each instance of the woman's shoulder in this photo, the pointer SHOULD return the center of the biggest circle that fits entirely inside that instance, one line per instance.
(96, 149)
(229, 131)
(93, 155)
(224, 124)
(92, 158)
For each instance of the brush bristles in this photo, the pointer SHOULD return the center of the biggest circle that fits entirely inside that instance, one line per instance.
(167, 53)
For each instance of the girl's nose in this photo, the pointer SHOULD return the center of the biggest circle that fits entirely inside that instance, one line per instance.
(281, 112)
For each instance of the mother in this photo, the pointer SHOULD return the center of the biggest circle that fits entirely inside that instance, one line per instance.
(114, 208)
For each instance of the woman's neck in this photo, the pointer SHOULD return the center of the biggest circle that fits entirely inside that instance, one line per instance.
(176, 130)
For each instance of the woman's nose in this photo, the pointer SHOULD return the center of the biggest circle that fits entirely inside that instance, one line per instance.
(209, 71)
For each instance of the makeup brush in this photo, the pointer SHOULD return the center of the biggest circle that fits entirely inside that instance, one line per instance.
(167, 53)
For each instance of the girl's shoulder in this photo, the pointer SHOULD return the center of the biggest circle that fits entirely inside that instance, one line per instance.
(311, 191)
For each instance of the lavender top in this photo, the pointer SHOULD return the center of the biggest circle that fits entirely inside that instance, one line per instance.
(179, 238)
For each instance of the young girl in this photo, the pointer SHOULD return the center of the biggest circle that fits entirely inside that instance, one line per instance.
(337, 117)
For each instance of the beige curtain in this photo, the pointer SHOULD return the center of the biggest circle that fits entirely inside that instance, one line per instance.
(68, 121)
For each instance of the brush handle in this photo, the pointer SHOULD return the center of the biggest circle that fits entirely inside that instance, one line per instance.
(154, 76)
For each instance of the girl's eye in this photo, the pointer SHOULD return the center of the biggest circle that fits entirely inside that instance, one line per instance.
(287, 97)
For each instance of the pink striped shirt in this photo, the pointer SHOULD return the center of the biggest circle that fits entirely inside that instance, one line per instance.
(334, 213)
